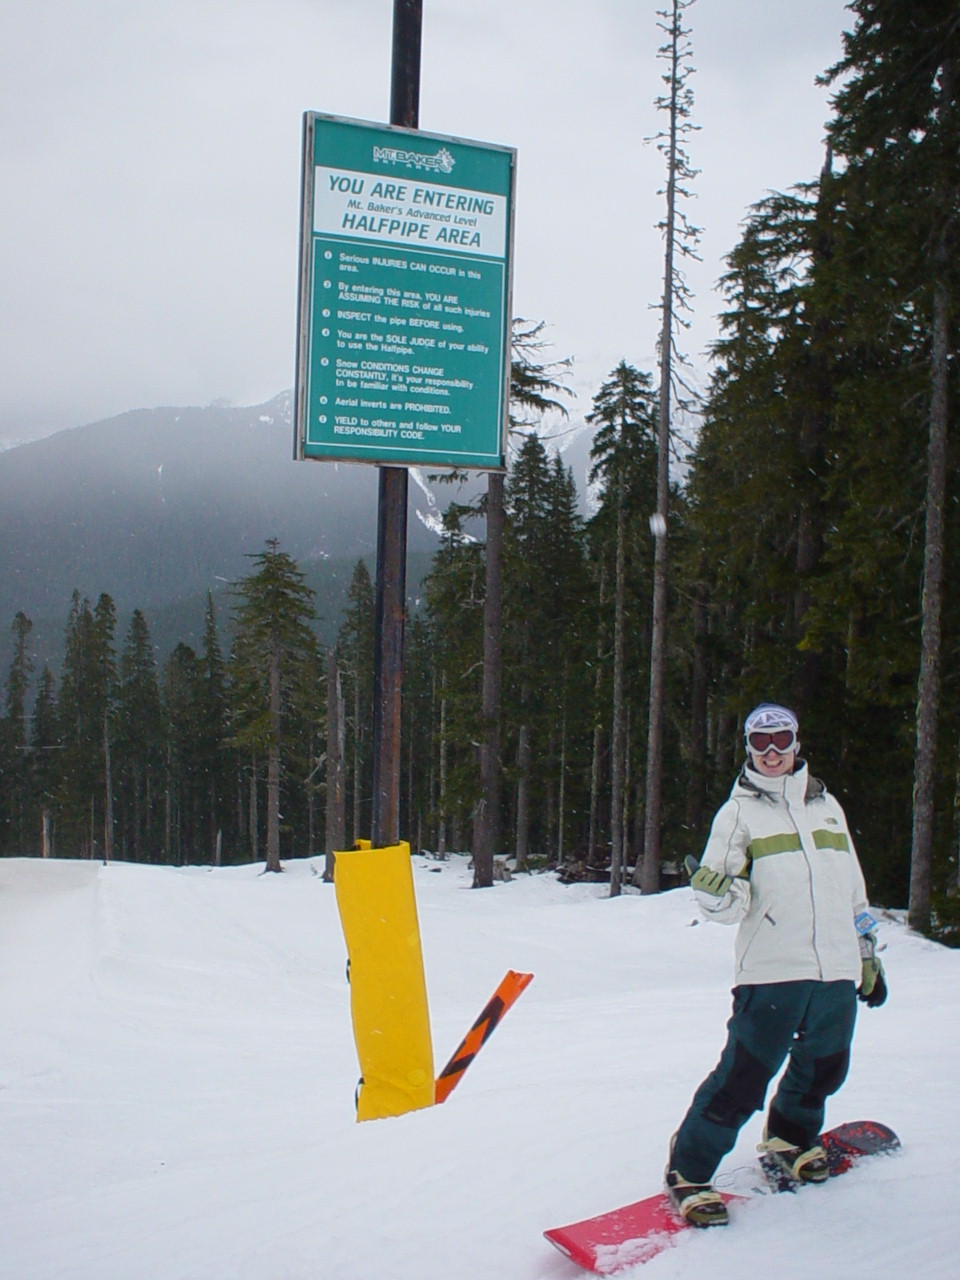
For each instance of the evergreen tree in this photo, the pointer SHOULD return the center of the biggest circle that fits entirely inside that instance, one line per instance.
(86, 709)
(14, 762)
(140, 745)
(184, 789)
(212, 753)
(303, 755)
(45, 746)
(796, 493)
(527, 507)
(546, 585)
(817, 511)
(897, 123)
(624, 454)
(453, 607)
(534, 388)
(274, 667)
(105, 676)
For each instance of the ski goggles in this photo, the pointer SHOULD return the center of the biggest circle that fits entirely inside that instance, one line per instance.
(779, 740)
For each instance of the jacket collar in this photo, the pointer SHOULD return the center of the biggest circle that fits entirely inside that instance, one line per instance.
(799, 785)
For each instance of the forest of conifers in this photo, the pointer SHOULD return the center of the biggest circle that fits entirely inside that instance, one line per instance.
(814, 544)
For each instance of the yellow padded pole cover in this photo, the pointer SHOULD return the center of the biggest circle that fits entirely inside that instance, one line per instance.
(388, 991)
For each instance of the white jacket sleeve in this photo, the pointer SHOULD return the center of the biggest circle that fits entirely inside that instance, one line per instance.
(726, 851)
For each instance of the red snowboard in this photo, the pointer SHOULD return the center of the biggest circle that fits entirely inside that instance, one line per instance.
(638, 1232)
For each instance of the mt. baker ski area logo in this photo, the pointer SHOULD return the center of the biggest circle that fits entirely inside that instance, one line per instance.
(441, 162)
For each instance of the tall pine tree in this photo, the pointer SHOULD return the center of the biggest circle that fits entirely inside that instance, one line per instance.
(624, 454)
(274, 670)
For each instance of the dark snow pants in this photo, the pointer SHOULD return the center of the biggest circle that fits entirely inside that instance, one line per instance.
(812, 1023)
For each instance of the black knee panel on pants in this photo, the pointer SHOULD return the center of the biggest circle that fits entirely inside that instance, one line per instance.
(741, 1093)
(778, 1126)
(829, 1074)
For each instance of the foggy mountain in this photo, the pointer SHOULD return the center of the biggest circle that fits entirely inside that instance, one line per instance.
(157, 507)
(160, 504)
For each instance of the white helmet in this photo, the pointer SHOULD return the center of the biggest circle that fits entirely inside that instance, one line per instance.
(770, 715)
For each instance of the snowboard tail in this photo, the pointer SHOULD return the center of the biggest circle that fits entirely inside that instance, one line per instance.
(637, 1232)
(624, 1238)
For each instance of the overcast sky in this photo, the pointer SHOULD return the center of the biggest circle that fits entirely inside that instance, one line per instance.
(149, 203)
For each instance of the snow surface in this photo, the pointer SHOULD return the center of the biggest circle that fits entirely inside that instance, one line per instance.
(177, 1073)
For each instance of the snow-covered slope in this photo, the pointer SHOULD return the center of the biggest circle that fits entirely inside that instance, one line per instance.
(177, 1072)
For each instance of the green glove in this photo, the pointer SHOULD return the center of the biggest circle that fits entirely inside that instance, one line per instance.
(873, 987)
(713, 882)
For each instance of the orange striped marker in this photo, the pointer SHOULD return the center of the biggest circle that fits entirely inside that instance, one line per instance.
(507, 993)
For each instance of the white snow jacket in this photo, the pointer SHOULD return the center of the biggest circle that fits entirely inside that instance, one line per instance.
(798, 884)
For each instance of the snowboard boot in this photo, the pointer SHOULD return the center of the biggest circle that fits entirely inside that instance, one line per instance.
(697, 1203)
(789, 1165)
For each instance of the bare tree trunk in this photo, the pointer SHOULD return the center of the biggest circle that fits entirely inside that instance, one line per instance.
(562, 788)
(413, 815)
(618, 743)
(238, 779)
(548, 805)
(168, 809)
(336, 814)
(253, 815)
(593, 826)
(433, 805)
(726, 749)
(487, 831)
(594, 823)
(137, 815)
(216, 832)
(647, 873)
(523, 797)
(638, 814)
(442, 801)
(273, 766)
(928, 693)
(108, 793)
(311, 791)
(357, 760)
(697, 755)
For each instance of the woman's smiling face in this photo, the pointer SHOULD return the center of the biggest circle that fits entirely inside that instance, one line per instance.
(772, 764)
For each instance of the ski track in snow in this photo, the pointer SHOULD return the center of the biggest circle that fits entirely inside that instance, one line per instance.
(177, 1072)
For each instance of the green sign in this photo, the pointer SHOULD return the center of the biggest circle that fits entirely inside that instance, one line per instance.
(403, 350)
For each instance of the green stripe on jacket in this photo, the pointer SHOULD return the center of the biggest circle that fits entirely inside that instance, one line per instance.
(789, 842)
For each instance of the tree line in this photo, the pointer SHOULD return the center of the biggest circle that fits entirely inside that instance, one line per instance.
(120, 759)
(812, 543)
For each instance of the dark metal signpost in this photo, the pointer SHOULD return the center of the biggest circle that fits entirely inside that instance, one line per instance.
(403, 345)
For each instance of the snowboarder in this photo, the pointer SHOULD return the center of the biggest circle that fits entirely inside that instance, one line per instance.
(779, 862)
